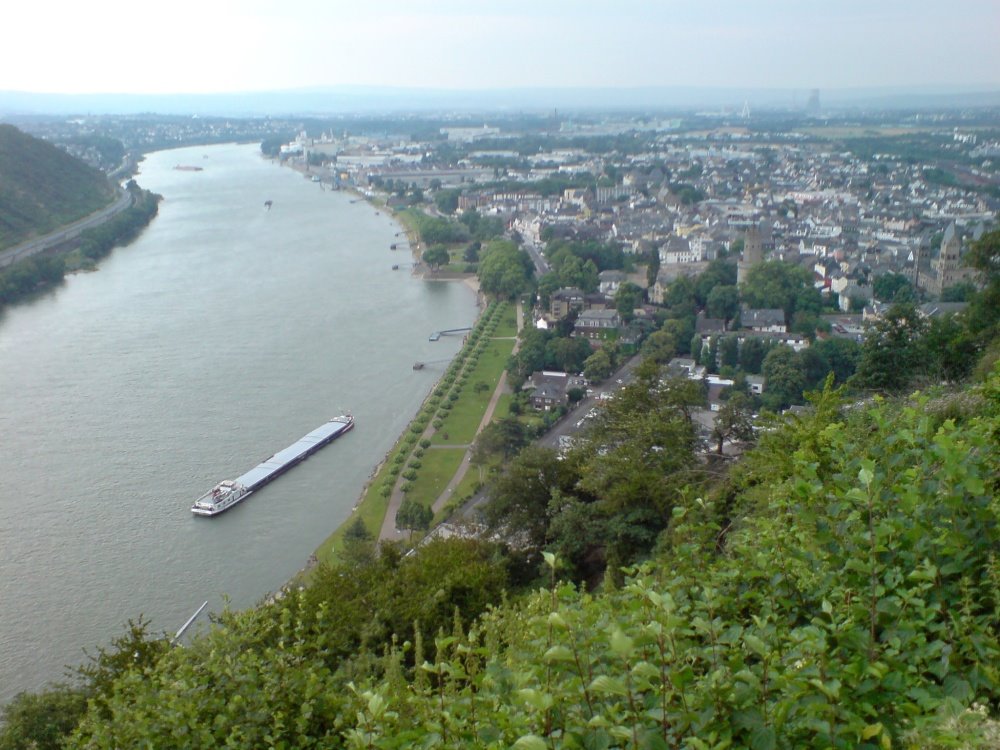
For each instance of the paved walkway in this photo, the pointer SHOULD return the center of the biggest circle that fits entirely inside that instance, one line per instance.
(389, 532)
(463, 468)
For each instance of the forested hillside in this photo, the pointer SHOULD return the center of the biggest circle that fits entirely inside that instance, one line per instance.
(43, 187)
(27, 277)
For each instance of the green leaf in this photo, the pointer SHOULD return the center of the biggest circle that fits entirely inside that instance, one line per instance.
(530, 742)
(621, 644)
(376, 705)
(556, 621)
(608, 685)
(621, 732)
(558, 653)
(645, 670)
(749, 718)
(957, 688)
(536, 699)
(755, 644)
(597, 740)
(550, 559)
(831, 689)
(652, 740)
(975, 485)
(762, 738)
(872, 730)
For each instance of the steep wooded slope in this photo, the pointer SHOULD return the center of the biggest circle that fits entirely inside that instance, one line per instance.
(42, 187)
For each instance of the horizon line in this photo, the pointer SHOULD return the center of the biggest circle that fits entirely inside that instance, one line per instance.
(978, 87)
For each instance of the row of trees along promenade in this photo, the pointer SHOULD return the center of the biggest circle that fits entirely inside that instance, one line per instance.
(424, 477)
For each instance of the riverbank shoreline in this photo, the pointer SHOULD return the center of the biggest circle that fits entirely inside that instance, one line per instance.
(366, 499)
(417, 248)
(70, 250)
(369, 507)
(170, 384)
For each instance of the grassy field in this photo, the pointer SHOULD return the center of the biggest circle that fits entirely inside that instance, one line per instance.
(437, 467)
(507, 328)
(831, 131)
(458, 263)
(503, 406)
(459, 426)
(370, 509)
(463, 492)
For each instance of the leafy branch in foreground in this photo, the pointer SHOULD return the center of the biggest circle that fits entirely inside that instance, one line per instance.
(855, 606)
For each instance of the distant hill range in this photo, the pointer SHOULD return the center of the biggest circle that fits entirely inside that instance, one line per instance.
(362, 99)
(42, 187)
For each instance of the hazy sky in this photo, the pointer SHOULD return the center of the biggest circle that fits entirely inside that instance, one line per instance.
(201, 46)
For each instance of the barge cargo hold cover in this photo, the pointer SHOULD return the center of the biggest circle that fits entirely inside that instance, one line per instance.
(228, 493)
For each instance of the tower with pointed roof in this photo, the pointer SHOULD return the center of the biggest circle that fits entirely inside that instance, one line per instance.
(946, 268)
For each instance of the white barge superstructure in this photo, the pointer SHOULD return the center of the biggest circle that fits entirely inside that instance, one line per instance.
(228, 493)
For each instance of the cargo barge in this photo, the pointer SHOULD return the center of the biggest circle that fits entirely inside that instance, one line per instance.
(228, 493)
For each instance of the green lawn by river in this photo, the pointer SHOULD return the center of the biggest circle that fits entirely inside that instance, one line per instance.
(440, 461)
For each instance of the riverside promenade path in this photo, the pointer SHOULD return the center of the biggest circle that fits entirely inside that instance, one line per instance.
(389, 532)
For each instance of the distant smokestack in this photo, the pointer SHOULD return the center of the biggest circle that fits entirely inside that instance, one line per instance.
(812, 106)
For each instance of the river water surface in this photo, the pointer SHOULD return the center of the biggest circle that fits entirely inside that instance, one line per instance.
(224, 333)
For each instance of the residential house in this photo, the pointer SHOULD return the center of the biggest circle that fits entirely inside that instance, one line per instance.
(854, 292)
(685, 367)
(716, 386)
(598, 325)
(705, 326)
(679, 250)
(550, 389)
(564, 301)
(766, 320)
(670, 273)
(596, 301)
(938, 309)
(547, 396)
(610, 281)
(796, 341)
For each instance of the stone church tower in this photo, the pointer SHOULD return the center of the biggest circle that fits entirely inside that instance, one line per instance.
(753, 253)
(946, 269)
(947, 263)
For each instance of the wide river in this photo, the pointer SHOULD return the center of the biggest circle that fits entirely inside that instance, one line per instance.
(223, 334)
